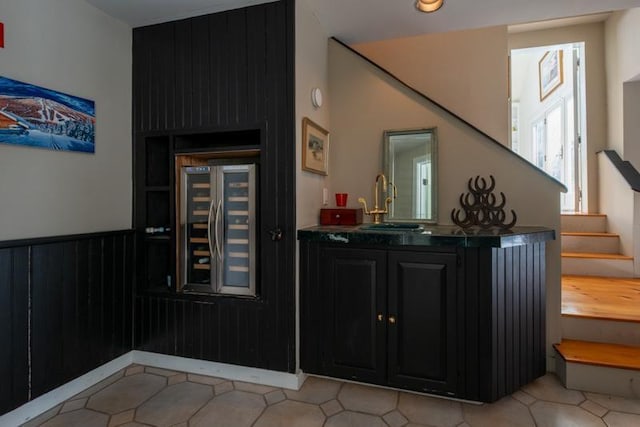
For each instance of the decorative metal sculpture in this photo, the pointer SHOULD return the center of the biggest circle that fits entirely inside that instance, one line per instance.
(480, 208)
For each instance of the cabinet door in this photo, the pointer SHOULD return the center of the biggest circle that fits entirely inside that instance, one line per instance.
(421, 321)
(354, 338)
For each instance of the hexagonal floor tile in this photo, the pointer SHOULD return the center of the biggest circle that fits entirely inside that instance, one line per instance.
(354, 419)
(81, 417)
(126, 393)
(550, 389)
(618, 419)
(315, 390)
(505, 412)
(290, 413)
(174, 404)
(614, 403)
(430, 410)
(375, 401)
(232, 409)
(552, 414)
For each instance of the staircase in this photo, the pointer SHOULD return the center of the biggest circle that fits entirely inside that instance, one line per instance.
(600, 350)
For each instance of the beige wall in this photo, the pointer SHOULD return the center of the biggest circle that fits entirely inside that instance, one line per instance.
(594, 62)
(311, 72)
(465, 71)
(622, 205)
(365, 102)
(623, 66)
(71, 47)
(616, 194)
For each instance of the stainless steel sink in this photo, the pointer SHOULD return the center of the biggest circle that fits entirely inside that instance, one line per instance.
(394, 226)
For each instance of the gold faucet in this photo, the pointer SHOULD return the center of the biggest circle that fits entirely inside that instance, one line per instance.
(378, 212)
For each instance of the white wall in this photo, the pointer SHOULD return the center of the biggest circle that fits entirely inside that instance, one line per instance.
(618, 200)
(622, 32)
(71, 47)
(594, 64)
(531, 108)
(365, 102)
(311, 72)
(465, 71)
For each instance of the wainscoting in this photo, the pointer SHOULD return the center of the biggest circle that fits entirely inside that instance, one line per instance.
(66, 307)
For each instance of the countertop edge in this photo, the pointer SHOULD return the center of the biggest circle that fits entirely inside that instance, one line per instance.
(430, 236)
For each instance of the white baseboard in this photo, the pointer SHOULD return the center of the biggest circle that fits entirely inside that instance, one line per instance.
(220, 370)
(55, 397)
(58, 395)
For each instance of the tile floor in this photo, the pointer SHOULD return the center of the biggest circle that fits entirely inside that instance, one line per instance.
(146, 396)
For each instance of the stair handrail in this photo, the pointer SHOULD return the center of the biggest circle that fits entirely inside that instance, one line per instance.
(626, 169)
(451, 113)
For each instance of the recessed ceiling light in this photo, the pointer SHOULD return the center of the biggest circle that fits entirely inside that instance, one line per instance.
(429, 5)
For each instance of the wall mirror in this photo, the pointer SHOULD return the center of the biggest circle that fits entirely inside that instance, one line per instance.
(410, 159)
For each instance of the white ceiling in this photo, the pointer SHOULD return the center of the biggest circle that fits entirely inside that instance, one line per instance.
(355, 21)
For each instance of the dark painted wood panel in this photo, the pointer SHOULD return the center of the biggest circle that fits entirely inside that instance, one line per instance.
(422, 296)
(354, 337)
(513, 346)
(14, 320)
(227, 71)
(80, 295)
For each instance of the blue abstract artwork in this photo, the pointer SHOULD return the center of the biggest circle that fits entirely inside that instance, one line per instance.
(38, 117)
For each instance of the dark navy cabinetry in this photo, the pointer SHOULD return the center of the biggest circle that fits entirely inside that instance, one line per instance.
(460, 321)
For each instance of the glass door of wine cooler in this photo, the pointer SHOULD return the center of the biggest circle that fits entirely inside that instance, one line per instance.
(196, 219)
(235, 229)
(218, 229)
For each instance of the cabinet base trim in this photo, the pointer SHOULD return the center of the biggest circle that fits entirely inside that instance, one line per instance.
(403, 390)
(55, 397)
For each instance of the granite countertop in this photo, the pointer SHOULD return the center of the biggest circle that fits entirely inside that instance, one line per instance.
(429, 235)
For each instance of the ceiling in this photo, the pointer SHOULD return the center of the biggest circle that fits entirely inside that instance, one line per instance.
(356, 21)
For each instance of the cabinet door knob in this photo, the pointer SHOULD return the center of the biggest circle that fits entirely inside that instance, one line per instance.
(392, 319)
(380, 318)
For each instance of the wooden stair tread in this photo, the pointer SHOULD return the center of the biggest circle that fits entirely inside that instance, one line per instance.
(600, 354)
(596, 255)
(587, 234)
(604, 298)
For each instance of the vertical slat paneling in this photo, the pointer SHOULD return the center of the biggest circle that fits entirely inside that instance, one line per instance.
(46, 318)
(231, 70)
(70, 307)
(515, 302)
(184, 72)
(508, 318)
(523, 312)
(108, 272)
(95, 309)
(256, 64)
(14, 294)
(79, 294)
(201, 46)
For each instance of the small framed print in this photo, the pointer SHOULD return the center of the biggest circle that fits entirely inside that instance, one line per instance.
(315, 147)
(550, 72)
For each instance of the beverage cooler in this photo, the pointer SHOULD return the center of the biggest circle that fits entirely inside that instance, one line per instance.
(217, 228)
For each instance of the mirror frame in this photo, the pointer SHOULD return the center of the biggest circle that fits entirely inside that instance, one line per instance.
(433, 152)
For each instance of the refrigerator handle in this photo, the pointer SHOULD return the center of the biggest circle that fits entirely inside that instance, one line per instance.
(215, 230)
(211, 247)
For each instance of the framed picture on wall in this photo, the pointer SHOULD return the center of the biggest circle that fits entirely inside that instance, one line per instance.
(315, 147)
(35, 116)
(550, 72)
